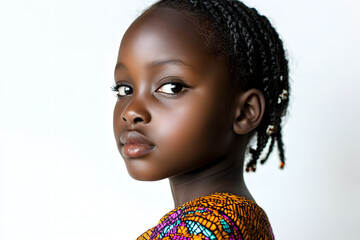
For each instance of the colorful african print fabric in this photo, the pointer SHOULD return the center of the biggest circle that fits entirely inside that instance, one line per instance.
(217, 216)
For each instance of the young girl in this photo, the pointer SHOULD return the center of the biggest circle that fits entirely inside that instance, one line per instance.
(196, 81)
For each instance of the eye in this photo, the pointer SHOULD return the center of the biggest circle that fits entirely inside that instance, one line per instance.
(171, 88)
(123, 90)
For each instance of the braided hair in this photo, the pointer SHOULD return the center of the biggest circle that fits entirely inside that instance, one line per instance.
(254, 55)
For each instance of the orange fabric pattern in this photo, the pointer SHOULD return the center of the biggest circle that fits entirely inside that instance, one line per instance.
(217, 216)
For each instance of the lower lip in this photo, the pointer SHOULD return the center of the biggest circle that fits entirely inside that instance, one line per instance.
(136, 150)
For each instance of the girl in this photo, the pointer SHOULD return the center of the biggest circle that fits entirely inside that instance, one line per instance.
(196, 81)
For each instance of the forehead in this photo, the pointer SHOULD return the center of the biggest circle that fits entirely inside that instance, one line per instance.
(163, 33)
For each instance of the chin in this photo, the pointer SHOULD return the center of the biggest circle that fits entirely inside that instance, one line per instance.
(144, 175)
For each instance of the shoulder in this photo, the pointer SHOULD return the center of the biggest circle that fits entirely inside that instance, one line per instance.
(216, 216)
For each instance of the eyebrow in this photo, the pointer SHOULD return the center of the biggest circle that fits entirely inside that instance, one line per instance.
(157, 63)
(174, 61)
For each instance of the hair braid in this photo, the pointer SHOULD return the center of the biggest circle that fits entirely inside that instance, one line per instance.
(244, 33)
(194, 2)
(259, 52)
(261, 143)
(264, 74)
(281, 84)
(261, 70)
(245, 25)
(272, 143)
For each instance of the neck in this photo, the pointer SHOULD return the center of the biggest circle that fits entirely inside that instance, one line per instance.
(226, 175)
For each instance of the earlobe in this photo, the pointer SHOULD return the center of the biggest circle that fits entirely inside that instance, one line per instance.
(249, 110)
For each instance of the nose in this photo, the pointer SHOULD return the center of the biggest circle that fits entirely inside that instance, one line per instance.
(136, 113)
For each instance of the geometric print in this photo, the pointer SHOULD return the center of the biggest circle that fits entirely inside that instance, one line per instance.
(218, 216)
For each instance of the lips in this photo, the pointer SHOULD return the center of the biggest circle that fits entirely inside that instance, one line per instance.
(135, 145)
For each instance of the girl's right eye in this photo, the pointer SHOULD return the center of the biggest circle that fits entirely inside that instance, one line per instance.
(123, 90)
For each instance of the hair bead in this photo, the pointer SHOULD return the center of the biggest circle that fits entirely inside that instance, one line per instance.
(282, 164)
(270, 130)
(284, 95)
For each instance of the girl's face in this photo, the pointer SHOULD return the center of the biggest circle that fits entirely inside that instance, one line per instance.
(173, 114)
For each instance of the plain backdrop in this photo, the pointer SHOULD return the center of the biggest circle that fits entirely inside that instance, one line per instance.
(61, 176)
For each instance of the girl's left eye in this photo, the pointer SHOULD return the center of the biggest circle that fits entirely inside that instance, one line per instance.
(171, 88)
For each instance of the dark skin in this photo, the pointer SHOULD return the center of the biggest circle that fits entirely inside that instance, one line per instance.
(176, 115)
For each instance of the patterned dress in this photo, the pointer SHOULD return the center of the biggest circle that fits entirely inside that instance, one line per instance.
(217, 216)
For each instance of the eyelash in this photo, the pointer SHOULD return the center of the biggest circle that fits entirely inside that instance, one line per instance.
(115, 87)
(174, 81)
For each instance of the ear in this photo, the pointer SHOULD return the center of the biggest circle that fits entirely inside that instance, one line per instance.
(249, 110)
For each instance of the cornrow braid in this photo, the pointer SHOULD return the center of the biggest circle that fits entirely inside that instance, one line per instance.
(255, 57)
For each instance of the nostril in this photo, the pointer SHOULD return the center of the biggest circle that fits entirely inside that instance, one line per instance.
(138, 119)
(124, 119)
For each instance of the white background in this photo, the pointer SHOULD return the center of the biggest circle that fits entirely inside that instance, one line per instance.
(61, 177)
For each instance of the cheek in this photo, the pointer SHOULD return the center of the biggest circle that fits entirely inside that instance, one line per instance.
(117, 121)
(116, 118)
(192, 132)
